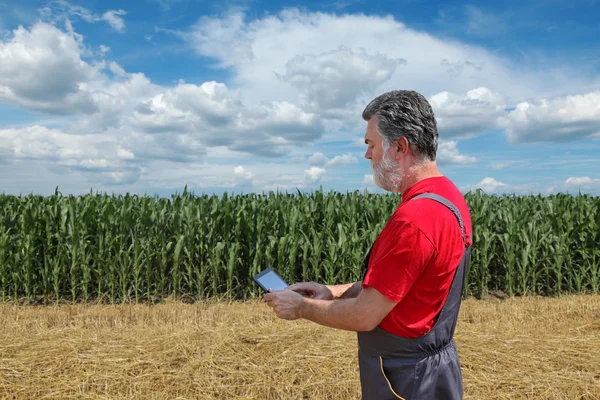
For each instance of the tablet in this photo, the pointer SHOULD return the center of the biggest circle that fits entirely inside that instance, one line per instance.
(268, 279)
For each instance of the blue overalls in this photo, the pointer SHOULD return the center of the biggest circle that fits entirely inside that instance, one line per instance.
(424, 368)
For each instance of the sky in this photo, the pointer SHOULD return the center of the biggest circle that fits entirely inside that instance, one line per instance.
(241, 96)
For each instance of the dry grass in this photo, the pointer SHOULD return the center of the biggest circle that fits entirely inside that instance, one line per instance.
(530, 348)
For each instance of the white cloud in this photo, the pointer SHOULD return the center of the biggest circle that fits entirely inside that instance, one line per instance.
(314, 174)
(488, 185)
(184, 119)
(210, 174)
(100, 155)
(122, 177)
(448, 154)
(493, 186)
(572, 185)
(61, 10)
(223, 39)
(334, 79)
(582, 181)
(344, 159)
(218, 117)
(368, 180)
(469, 115)
(104, 49)
(113, 17)
(186, 106)
(41, 69)
(320, 159)
(259, 49)
(577, 184)
(321, 60)
(241, 173)
(242, 178)
(116, 69)
(558, 119)
(114, 101)
(124, 154)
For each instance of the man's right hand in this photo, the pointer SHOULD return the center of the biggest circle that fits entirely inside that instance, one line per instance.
(313, 290)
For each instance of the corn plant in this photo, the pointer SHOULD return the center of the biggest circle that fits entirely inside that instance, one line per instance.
(133, 248)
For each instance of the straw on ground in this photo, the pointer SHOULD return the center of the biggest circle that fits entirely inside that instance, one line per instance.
(524, 348)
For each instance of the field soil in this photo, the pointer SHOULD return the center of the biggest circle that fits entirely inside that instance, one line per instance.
(521, 348)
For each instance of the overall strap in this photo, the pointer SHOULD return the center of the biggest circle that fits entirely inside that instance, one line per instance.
(448, 204)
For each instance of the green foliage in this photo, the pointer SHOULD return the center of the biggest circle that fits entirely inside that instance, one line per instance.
(131, 248)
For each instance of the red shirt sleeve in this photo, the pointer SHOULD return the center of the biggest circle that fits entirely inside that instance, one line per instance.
(400, 254)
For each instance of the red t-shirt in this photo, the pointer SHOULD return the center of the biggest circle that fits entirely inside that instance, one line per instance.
(415, 256)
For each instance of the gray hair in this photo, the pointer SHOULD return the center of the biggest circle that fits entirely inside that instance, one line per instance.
(405, 113)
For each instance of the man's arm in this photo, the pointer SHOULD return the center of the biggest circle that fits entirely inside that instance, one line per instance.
(359, 314)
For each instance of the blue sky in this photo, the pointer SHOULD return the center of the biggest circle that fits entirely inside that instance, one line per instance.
(247, 96)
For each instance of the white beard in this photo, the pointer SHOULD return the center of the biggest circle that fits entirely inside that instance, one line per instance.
(387, 174)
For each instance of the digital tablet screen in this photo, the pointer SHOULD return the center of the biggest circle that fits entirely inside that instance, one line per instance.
(269, 279)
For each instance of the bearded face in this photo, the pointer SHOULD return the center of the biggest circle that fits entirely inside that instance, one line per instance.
(387, 174)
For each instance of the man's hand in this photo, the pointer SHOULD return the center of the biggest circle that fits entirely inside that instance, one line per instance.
(287, 304)
(313, 290)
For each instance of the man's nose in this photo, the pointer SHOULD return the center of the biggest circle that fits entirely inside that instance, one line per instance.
(369, 154)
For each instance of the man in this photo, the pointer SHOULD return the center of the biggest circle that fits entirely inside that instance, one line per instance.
(406, 306)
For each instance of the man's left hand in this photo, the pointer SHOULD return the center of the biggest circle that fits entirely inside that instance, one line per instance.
(287, 304)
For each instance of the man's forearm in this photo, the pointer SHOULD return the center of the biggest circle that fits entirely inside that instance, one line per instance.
(346, 291)
(344, 314)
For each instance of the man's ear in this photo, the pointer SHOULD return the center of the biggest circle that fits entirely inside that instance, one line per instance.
(402, 146)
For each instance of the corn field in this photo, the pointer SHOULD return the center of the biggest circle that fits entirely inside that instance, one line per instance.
(129, 248)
